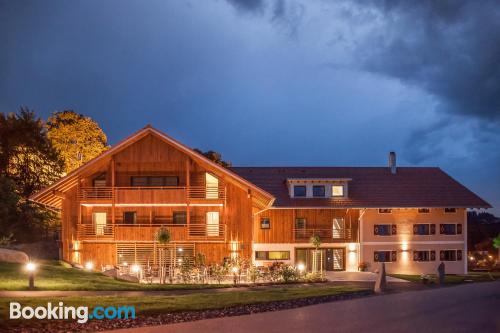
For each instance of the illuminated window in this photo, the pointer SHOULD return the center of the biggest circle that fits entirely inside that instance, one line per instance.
(265, 223)
(272, 255)
(299, 191)
(423, 210)
(318, 190)
(337, 190)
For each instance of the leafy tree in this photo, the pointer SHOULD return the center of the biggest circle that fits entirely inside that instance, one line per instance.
(215, 157)
(26, 154)
(77, 138)
(28, 162)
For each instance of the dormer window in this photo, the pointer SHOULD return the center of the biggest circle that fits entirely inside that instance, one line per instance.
(299, 191)
(319, 191)
(337, 190)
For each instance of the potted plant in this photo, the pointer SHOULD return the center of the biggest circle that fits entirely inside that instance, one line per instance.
(317, 256)
(363, 266)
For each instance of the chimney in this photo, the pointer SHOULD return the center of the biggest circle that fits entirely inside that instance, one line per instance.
(392, 162)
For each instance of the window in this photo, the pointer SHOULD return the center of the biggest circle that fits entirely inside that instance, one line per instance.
(179, 217)
(272, 255)
(299, 191)
(154, 181)
(300, 223)
(265, 223)
(450, 210)
(318, 190)
(424, 210)
(100, 181)
(338, 228)
(450, 229)
(385, 256)
(385, 211)
(385, 229)
(450, 255)
(337, 190)
(424, 229)
(212, 224)
(211, 186)
(424, 255)
(129, 217)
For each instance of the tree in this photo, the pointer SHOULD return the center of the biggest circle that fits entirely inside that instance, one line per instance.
(28, 162)
(26, 154)
(215, 157)
(77, 138)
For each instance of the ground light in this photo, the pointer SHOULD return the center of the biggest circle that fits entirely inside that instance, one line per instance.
(31, 268)
(89, 265)
(301, 267)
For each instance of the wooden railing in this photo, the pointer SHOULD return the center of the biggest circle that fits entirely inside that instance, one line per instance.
(326, 235)
(147, 232)
(166, 193)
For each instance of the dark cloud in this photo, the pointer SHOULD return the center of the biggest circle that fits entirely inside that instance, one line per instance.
(451, 49)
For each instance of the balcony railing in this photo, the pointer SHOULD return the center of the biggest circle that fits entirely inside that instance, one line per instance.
(151, 194)
(326, 235)
(147, 232)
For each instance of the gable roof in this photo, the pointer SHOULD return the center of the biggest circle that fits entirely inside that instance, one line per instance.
(369, 187)
(52, 195)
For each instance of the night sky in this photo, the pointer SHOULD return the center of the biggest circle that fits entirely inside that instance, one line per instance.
(329, 83)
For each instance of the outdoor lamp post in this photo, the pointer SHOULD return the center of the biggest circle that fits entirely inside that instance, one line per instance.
(31, 267)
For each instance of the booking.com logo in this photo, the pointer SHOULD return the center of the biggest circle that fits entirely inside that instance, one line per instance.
(80, 313)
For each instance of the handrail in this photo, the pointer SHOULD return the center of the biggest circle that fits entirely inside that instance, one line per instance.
(325, 234)
(193, 192)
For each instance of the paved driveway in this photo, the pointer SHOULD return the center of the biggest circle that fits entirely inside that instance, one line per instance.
(465, 308)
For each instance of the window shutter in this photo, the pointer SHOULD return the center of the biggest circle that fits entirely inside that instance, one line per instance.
(415, 229)
(394, 229)
(433, 255)
(394, 255)
(433, 229)
(375, 256)
(441, 255)
(375, 229)
(459, 254)
(459, 229)
(441, 229)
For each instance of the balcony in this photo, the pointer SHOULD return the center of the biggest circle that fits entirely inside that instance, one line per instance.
(152, 195)
(147, 232)
(327, 235)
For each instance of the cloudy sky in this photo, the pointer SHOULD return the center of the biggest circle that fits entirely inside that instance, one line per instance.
(272, 82)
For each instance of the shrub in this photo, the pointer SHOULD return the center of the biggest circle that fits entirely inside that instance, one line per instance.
(254, 273)
(289, 273)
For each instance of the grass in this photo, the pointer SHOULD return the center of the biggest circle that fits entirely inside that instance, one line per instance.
(191, 302)
(55, 275)
(454, 279)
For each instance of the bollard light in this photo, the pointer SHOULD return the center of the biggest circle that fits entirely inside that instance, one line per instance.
(89, 265)
(135, 268)
(301, 267)
(31, 268)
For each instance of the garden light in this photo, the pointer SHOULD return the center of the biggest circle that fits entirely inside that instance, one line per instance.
(31, 268)
(89, 265)
(136, 268)
(301, 267)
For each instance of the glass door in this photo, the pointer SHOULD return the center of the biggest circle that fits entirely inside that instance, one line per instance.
(212, 223)
(99, 221)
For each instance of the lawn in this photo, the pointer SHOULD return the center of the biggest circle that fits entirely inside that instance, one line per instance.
(191, 302)
(454, 279)
(55, 275)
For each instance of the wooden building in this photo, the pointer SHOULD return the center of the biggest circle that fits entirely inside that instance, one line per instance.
(113, 206)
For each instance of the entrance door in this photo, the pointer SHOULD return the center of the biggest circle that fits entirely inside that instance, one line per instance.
(212, 223)
(211, 186)
(99, 220)
(333, 258)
